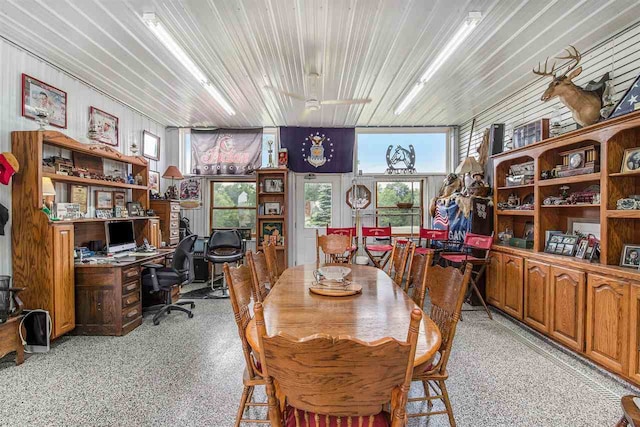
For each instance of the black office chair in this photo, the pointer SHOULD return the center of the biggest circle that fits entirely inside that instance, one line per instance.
(158, 278)
(223, 246)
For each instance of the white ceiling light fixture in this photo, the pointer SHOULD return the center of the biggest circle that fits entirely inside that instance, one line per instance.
(153, 23)
(465, 29)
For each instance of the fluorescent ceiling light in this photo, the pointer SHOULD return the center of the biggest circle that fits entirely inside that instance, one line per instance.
(465, 29)
(165, 38)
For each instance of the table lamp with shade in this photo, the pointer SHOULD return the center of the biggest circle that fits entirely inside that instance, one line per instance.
(48, 193)
(174, 173)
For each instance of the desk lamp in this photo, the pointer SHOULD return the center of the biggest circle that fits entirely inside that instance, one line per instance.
(48, 193)
(173, 173)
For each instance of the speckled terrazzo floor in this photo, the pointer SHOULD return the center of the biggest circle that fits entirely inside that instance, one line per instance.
(188, 372)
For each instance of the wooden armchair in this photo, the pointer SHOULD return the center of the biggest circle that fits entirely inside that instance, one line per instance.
(400, 253)
(272, 262)
(447, 289)
(239, 281)
(337, 380)
(335, 247)
(347, 231)
(419, 267)
(259, 274)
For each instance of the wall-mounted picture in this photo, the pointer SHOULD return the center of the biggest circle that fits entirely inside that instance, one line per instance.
(273, 185)
(39, 97)
(104, 199)
(150, 145)
(106, 126)
(154, 182)
(630, 256)
(272, 208)
(190, 193)
(631, 160)
(79, 194)
(272, 229)
(358, 197)
(119, 199)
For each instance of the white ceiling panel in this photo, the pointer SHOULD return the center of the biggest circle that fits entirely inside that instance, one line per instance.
(362, 48)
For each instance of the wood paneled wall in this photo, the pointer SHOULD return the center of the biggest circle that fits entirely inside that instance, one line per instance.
(15, 61)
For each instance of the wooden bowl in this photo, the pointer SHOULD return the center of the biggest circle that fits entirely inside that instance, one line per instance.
(404, 205)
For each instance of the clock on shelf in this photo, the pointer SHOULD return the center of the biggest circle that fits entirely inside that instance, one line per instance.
(579, 162)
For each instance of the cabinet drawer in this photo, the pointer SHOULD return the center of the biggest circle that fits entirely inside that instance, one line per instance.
(129, 300)
(173, 234)
(129, 287)
(175, 207)
(174, 241)
(174, 225)
(130, 273)
(131, 313)
(174, 216)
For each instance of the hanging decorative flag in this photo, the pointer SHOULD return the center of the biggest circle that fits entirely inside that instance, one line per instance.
(319, 150)
(629, 102)
(226, 151)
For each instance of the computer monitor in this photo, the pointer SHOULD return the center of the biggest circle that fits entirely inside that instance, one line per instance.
(120, 236)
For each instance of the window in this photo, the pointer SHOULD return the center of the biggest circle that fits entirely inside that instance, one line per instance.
(430, 148)
(233, 204)
(317, 204)
(391, 193)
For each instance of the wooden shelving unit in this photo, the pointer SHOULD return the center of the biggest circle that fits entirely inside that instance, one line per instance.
(514, 212)
(280, 197)
(93, 182)
(584, 305)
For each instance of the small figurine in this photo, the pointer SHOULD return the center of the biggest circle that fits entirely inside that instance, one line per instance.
(130, 179)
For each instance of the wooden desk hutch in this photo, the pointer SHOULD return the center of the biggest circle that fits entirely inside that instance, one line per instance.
(43, 250)
(592, 308)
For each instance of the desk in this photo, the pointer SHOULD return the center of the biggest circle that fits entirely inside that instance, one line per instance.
(382, 310)
(109, 296)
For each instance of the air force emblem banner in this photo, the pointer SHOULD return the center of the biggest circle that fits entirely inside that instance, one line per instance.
(226, 151)
(319, 150)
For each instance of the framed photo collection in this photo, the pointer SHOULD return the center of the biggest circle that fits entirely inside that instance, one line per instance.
(38, 95)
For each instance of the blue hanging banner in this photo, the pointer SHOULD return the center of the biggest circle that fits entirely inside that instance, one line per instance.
(319, 150)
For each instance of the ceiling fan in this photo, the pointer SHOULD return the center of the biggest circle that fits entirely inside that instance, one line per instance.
(311, 101)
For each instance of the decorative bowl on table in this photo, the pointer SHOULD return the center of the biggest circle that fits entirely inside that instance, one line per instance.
(332, 272)
(404, 205)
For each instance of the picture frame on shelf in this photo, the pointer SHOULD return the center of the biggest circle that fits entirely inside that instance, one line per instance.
(630, 256)
(104, 213)
(271, 230)
(106, 126)
(119, 199)
(104, 200)
(154, 182)
(272, 208)
(631, 160)
(135, 209)
(562, 244)
(79, 194)
(68, 211)
(528, 230)
(38, 95)
(150, 145)
(581, 252)
(273, 185)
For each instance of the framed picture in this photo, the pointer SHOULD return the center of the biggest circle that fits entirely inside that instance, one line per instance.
(562, 244)
(68, 211)
(104, 199)
(119, 199)
(272, 208)
(106, 126)
(38, 96)
(154, 182)
(135, 209)
(358, 197)
(630, 256)
(631, 160)
(190, 193)
(528, 230)
(283, 158)
(629, 101)
(150, 145)
(79, 194)
(582, 248)
(274, 185)
(272, 231)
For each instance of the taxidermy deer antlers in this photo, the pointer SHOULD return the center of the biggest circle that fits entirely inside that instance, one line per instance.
(584, 104)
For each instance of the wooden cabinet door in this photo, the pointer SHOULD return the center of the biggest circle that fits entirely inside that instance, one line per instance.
(64, 309)
(512, 275)
(608, 321)
(154, 232)
(567, 306)
(634, 350)
(536, 295)
(495, 281)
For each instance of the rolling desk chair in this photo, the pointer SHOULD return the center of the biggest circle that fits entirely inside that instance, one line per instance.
(225, 245)
(158, 278)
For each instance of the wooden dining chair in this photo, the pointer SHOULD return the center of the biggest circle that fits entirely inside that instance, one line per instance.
(447, 288)
(271, 256)
(239, 281)
(347, 231)
(335, 381)
(260, 275)
(416, 285)
(335, 247)
(400, 253)
(631, 411)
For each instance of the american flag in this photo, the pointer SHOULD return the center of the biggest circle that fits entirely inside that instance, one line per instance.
(629, 102)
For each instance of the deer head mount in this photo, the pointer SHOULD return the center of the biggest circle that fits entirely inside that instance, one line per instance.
(585, 104)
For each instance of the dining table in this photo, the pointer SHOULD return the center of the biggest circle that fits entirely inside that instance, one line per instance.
(381, 310)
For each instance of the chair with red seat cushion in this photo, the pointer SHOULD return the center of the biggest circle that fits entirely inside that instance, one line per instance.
(337, 378)
(346, 231)
(447, 290)
(431, 236)
(478, 243)
(377, 233)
